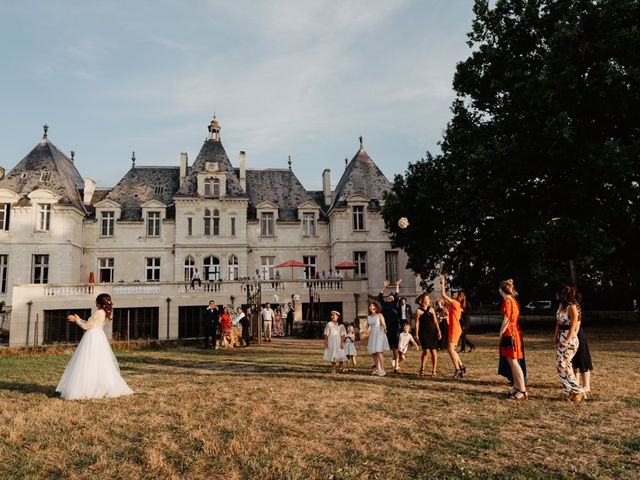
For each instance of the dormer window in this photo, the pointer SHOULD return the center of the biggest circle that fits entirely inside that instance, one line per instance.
(44, 217)
(309, 224)
(45, 177)
(212, 187)
(153, 224)
(358, 218)
(158, 190)
(267, 224)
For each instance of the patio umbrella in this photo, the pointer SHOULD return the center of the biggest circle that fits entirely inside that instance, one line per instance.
(345, 266)
(292, 264)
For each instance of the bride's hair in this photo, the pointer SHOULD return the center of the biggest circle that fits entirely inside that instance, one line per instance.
(103, 301)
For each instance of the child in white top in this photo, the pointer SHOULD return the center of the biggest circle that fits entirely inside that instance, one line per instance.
(403, 344)
(334, 335)
(350, 347)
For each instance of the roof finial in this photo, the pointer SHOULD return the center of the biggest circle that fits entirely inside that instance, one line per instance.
(133, 159)
(361, 141)
(73, 156)
(46, 129)
(214, 129)
(289, 162)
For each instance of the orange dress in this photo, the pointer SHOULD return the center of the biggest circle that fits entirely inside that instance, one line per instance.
(455, 312)
(511, 310)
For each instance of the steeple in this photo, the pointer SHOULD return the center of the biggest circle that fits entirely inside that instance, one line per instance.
(214, 129)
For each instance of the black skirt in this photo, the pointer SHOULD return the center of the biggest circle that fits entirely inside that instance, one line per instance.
(582, 359)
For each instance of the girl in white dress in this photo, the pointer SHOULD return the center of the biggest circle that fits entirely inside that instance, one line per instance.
(334, 335)
(350, 347)
(93, 370)
(378, 342)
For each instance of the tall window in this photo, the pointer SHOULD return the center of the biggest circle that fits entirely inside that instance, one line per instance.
(5, 210)
(358, 218)
(266, 224)
(267, 264)
(234, 269)
(212, 187)
(189, 268)
(189, 226)
(391, 266)
(360, 259)
(310, 271)
(309, 224)
(233, 226)
(40, 272)
(4, 261)
(211, 268)
(44, 217)
(215, 220)
(105, 270)
(153, 224)
(107, 224)
(207, 222)
(153, 269)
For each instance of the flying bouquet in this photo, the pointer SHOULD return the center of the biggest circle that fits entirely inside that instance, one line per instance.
(403, 223)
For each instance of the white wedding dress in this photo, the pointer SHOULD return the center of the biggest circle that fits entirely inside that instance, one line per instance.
(93, 370)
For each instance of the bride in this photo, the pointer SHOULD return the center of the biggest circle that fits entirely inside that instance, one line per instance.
(93, 370)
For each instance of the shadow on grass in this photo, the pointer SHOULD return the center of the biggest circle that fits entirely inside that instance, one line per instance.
(47, 390)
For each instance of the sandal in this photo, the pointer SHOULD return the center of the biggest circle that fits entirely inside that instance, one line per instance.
(421, 372)
(434, 374)
(519, 395)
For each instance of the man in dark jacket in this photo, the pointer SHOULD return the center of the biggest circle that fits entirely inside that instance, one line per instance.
(389, 310)
(289, 329)
(212, 320)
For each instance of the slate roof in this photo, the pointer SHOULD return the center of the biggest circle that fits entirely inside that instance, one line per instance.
(143, 184)
(362, 176)
(65, 179)
(211, 151)
(278, 186)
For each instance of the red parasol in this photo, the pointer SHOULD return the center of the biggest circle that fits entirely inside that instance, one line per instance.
(346, 266)
(292, 264)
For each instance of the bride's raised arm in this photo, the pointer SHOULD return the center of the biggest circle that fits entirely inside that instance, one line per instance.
(87, 324)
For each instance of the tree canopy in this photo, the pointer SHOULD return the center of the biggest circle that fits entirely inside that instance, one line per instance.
(540, 164)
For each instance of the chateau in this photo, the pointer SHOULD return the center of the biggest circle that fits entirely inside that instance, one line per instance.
(63, 241)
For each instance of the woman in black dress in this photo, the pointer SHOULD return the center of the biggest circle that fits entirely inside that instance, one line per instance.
(443, 322)
(582, 364)
(428, 333)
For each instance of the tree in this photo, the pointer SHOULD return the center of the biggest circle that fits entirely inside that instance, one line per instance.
(540, 163)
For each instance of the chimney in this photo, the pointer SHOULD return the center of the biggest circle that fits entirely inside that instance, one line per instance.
(243, 171)
(89, 188)
(184, 163)
(326, 186)
(1, 173)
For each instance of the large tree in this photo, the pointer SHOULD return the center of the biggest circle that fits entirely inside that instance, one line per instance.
(540, 164)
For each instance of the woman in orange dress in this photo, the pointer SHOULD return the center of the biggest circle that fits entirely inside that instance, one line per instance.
(226, 326)
(454, 306)
(511, 338)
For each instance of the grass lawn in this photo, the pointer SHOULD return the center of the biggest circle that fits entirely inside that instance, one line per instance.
(276, 412)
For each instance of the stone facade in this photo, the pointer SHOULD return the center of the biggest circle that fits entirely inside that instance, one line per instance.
(57, 232)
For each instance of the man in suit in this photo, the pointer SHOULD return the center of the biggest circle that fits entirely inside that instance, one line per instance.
(389, 310)
(405, 314)
(290, 312)
(212, 320)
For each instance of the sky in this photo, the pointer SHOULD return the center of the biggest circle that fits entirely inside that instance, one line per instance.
(303, 78)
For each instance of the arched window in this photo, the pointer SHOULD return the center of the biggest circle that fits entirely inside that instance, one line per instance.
(216, 222)
(189, 268)
(234, 268)
(207, 222)
(211, 268)
(212, 187)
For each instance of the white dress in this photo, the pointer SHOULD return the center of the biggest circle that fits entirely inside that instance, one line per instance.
(93, 370)
(378, 341)
(349, 344)
(333, 352)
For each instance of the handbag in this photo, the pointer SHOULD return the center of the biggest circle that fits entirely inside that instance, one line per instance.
(506, 341)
